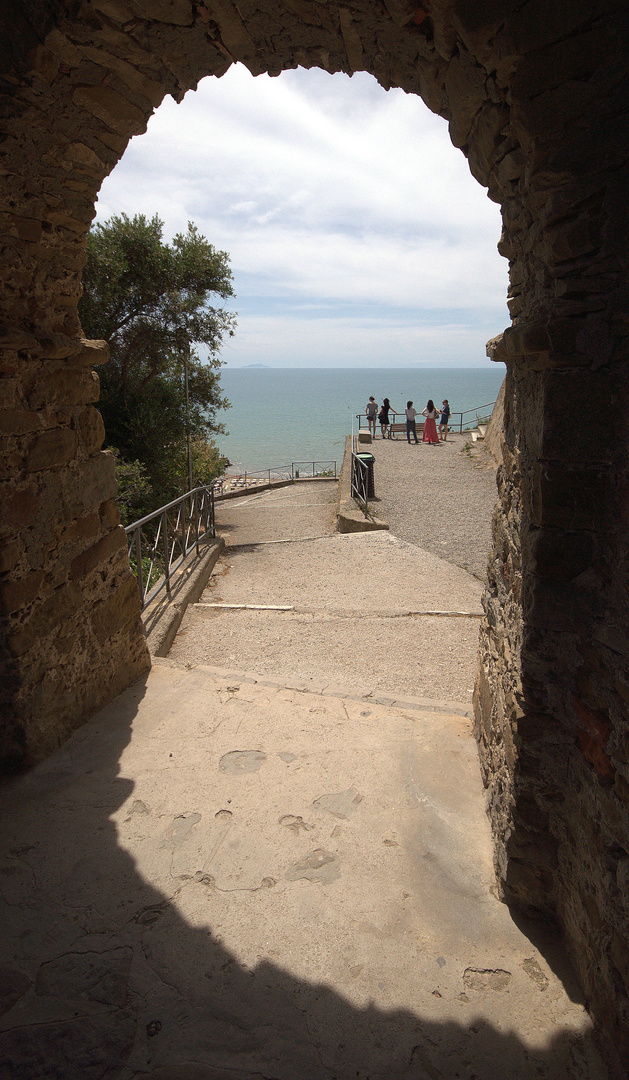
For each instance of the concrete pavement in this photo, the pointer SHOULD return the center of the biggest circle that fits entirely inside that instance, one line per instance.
(226, 879)
(230, 875)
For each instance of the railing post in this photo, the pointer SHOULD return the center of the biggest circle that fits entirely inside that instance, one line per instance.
(196, 519)
(166, 552)
(138, 562)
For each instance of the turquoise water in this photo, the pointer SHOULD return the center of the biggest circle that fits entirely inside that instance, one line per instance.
(281, 415)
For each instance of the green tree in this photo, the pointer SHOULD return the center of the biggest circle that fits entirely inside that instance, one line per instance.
(151, 302)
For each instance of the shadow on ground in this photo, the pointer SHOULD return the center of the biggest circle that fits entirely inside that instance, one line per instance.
(102, 977)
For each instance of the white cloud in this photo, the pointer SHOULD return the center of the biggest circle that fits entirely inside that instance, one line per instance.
(323, 190)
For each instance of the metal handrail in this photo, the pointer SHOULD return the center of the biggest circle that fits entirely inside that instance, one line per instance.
(476, 410)
(452, 426)
(360, 481)
(280, 472)
(157, 550)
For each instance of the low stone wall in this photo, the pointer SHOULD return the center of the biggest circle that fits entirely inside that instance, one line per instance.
(349, 516)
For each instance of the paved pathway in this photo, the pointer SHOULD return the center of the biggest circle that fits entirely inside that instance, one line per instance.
(439, 497)
(226, 880)
(357, 603)
(287, 875)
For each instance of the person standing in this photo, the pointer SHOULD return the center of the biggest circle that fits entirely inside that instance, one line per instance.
(444, 419)
(383, 416)
(371, 412)
(411, 428)
(430, 424)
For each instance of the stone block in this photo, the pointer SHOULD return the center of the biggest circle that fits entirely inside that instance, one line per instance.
(82, 529)
(137, 82)
(171, 12)
(9, 393)
(10, 553)
(594, 732)
(119, 609)
(112, 108)
(19, 421)
(20, 505)
(90, 484)
(485, 138)
(18, 594)
(523, 339)
(56, 347)
(109, 513)
(51, 448)
(556, 554)
(83, 155)
(573, 499)
(99, 553)
(91, 430)
(92, 353)
(58, 608)
(465, 86)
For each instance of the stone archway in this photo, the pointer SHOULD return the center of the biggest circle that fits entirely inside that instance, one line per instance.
(536, 98)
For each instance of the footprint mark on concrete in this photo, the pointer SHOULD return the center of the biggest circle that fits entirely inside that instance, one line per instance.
(289, 821)
(486, 979)
(340, 803)
(317, 865)
(181, 828)
(534, 972)
(237, 762)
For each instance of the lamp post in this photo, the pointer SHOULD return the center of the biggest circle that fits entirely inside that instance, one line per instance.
(186, 357)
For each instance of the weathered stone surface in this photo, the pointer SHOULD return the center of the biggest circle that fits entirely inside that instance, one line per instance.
(55, 447)
(19, 504)
(64, 386)
(91, 430)
(20, 593)
(99, 553)
(117, 611)
(111, 107)
(19, 421)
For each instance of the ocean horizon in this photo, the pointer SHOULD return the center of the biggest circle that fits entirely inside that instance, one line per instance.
(283, 415)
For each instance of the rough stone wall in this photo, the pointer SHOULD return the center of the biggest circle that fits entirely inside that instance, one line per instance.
(553, 686)
(535, 94)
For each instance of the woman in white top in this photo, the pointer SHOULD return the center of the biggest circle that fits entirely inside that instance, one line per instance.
(430, 424)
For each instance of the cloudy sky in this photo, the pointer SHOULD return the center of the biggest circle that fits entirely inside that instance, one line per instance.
(357, 235)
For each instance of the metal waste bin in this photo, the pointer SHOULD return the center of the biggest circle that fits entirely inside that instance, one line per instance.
(369, 460)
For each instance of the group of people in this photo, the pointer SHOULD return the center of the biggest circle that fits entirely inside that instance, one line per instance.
(431, 414)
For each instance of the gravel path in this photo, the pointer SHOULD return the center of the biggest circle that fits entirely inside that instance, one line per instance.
(438, 497)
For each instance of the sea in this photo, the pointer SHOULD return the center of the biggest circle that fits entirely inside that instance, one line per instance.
(281, 416)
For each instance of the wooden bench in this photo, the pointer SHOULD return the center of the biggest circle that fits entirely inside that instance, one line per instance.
(400, 429)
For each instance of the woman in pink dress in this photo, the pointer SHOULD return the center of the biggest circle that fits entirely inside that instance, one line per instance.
(430, 424)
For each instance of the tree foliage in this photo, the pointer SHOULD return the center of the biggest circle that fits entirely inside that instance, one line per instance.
(151, 302)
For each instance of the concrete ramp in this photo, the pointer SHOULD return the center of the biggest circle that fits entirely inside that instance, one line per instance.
(223, 878)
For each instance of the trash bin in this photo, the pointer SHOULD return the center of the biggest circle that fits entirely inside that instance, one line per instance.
(369, 460)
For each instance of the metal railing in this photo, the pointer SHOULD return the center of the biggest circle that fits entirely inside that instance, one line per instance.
(481, 412)
(294, 471)
(360, 481)
(159, 542)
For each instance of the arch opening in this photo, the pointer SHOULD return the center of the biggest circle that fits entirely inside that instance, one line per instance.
(537, 102)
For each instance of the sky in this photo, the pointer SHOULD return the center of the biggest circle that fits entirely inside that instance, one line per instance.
(357, 235)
